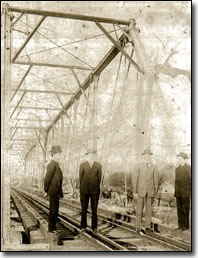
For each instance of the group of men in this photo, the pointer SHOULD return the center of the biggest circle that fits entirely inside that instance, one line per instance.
(145, 180)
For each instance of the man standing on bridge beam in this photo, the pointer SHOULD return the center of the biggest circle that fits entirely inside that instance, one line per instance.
(53, 186)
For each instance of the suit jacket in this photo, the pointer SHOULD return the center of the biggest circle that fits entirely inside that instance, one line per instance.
(90, 177)
(53, 180)
(145, 180)
(183, 181)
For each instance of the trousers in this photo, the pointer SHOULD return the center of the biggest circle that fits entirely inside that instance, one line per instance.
(141, 201)
(84, 199)
(53, 212)
(183, 207)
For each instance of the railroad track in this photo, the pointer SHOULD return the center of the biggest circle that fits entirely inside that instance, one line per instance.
(113, 234)
(67, 228)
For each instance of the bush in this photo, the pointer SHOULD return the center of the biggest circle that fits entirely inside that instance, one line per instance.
(117, 179)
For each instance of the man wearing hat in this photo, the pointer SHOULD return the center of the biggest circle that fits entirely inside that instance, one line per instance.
(53, 186)
(89, 178)
(145, 180)
(183, 191)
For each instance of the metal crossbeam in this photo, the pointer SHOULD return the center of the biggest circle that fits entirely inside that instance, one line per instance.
(17, 19)
(83, 92)
(119, 47)
(28, 140)
(25, 75)
(17, 104)
(28, 39)
(39, 141)
(68, 15)
(28, 119)
(46, 91)
(28, 127)
(100, 67)
(53, 65)
(39, 108)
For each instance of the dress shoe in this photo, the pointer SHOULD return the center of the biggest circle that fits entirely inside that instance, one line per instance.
(156, 230)
(149, 230)
(82, 230)
(141, 231)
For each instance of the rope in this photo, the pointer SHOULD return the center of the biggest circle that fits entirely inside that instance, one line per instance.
(84, 119)
(74, 131)
(118, 112)
(115, 86)
(95, 102)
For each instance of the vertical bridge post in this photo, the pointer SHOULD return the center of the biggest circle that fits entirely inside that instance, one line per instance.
(5, 127)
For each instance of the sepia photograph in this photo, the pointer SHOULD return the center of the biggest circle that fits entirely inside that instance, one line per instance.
(96, 127)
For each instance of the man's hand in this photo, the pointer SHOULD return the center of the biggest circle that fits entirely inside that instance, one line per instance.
(61, 195)
(45, 194)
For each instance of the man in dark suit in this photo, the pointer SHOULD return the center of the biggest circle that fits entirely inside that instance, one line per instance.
(90, 177)
(53, 186)
(183, 191)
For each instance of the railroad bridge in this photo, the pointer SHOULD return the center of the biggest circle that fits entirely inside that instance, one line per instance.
(81, 81)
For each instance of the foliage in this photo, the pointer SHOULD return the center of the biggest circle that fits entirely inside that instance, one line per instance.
(117, 179)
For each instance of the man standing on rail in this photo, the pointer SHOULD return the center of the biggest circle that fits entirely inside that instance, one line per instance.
(53, 186)
(145, 180)
(89, 178)
(183, 191)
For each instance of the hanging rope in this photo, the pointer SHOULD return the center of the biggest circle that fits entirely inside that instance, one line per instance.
(110, 111)
(82, 138)
(118, 112)
(69, 139)
(73, 132)
(95, 102)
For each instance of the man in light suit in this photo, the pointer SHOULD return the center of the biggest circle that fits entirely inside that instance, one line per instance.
(90, 177)
(145, 180)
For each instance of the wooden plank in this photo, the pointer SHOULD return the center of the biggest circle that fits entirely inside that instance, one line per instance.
(28, 39)
(5, 128)
(68, 15)
(119, 47)
(53, 65)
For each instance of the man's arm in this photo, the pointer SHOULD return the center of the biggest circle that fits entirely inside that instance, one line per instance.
(156, 180)
(81, 172)
(99, 173)
(135, 176)
(49, 176)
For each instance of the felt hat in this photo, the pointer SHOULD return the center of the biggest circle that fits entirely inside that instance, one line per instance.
(56, 149)
(183, 155)
(90, 150)
(147, 151)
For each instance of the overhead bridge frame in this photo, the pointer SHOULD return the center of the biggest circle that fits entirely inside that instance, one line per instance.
(7, 25)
